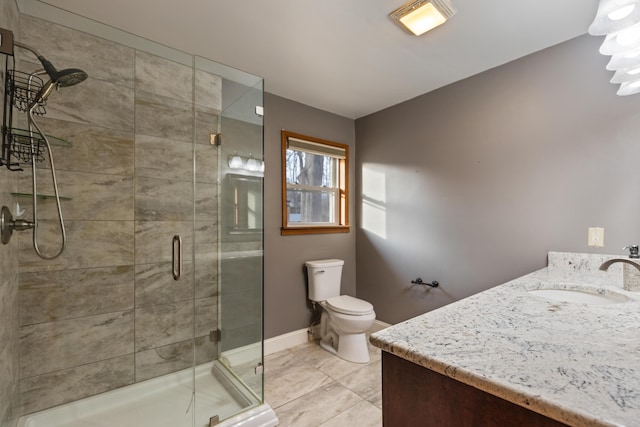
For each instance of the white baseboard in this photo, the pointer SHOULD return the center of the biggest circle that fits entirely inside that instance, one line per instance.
(272, 345)
(285, 341)
(301, 336)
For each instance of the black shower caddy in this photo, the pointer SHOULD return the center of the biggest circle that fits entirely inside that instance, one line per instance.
(20, 92)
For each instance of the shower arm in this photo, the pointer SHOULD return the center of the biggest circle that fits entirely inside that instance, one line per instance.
(32, 123)
(27, 47)
(48, 66)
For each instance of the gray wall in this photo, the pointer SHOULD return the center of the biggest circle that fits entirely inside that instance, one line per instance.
(9, 369)
(473, 184)
(285, 290)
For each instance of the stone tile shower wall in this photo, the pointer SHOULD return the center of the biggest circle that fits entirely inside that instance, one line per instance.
(107, 313)
(8, 271)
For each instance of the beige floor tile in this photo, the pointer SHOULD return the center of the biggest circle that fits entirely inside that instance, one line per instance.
(311, 387)
(376, 400)
(318, 406)
(287, 378)
(365, 382)
(329, 363)
(364, 414)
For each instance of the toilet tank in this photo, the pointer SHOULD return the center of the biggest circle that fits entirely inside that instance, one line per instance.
(324, 278)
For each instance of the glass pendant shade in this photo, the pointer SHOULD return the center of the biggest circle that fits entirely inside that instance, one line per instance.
(627, 74)
(253, 165)
(629, 88)
(236, 162)
(624, 60)
(622, 41)
(615, 15)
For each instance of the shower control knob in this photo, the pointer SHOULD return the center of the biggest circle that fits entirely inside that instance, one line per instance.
(8, 225)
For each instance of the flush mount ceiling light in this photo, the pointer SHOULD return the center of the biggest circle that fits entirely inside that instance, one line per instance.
(419, 16)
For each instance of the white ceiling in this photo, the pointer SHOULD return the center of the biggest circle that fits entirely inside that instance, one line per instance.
(346, 56)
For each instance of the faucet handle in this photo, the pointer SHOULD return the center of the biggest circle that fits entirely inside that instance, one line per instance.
(633, 251)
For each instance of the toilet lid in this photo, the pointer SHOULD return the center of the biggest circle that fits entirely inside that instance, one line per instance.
(349, 305)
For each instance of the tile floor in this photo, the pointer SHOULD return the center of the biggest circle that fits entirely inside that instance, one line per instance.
(310, 387)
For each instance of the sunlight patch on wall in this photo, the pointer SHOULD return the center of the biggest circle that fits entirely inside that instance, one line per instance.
(374, 198)
(252, 205)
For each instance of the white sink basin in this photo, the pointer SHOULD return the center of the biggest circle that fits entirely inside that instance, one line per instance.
(580, 296)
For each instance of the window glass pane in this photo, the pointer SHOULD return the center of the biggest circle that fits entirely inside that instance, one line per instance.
(315, 185)
(310, 169)
(308, 206)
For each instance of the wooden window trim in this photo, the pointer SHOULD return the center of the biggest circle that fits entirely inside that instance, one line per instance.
(343, 226)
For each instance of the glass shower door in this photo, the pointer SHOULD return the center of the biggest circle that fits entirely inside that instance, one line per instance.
(229, 170)
(241, 245)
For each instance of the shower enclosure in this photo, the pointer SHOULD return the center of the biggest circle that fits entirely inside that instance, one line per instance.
(152, 315)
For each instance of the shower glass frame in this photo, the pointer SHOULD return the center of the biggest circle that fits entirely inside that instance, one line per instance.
(239, 129)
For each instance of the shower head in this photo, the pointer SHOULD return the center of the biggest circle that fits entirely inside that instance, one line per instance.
(69, 77)
(62, 78)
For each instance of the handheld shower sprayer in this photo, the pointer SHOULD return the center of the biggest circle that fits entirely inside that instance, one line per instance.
(62, 78)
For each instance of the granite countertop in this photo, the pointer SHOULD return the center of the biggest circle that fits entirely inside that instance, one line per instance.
(575, 363)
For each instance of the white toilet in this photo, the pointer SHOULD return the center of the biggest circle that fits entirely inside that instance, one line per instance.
(344, 319)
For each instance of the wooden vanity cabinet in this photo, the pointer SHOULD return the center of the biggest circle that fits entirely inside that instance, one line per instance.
(413, 396)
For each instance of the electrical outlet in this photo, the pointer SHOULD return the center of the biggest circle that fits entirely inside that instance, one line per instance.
(595, 237)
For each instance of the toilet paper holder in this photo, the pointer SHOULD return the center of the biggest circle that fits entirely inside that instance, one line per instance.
(419, 281)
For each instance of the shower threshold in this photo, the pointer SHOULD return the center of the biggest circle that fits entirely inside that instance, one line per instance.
(165, 401)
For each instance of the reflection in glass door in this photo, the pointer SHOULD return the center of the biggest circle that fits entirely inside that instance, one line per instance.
(228, 170)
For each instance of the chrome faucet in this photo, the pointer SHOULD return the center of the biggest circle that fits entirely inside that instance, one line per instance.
(630, 278)
(605, 265)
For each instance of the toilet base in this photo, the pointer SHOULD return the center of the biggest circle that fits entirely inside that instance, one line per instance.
(351, 347)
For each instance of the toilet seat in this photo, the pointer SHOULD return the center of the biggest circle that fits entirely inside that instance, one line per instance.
(346, 304)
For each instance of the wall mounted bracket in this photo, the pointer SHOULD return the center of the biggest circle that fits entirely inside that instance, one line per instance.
(419, 281)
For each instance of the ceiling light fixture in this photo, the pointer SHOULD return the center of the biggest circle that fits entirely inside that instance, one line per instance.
(622, 41)
(626, 75)
(619, 21)
(624, 60)
(419, 16)
(629, 88)
(614, 15)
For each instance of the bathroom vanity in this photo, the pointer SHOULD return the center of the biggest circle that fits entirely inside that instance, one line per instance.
(560, 346)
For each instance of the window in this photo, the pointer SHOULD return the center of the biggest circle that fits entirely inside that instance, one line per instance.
(314, 185)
